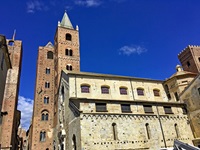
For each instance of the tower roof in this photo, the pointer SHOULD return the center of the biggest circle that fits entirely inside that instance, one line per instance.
(65, 22)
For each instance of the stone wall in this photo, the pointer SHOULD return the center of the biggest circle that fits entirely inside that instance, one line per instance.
(191, 97)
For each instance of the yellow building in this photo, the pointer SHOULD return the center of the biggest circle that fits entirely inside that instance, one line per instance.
(191, 96)
(98, 111)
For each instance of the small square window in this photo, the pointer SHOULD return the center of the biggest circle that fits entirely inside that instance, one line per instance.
(156, 92)
(123, 91)
(85, 89)
(168, 110)
(104, 90)
(148, 109)
(184, 110)
(101, 107)
(140, 92)
(126, 108)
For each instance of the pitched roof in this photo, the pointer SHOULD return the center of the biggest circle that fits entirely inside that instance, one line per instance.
(65, 22)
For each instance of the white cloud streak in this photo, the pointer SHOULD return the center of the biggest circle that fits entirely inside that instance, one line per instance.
(133, 49)
(88, 3)
(35, 5)
(25, 105)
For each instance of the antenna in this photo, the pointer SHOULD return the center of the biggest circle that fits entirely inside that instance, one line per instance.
(14, 34)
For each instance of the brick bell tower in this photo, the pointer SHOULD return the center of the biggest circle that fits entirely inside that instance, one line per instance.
(190, 58)
(52, 59)
(66, 48)
(67, 52)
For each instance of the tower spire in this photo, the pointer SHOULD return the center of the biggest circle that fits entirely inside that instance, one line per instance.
(65, 22)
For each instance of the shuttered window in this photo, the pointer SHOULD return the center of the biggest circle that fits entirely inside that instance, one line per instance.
(156, 92)
(168, 110)
(140, 91)
(125, 107)
(184, 110)
(123, 91)
(105, 90)
(101, 107)
(85, 89)
(148, 109)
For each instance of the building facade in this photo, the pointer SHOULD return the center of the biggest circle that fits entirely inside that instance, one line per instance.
(64, 54)
(191, 96)
(99, 111)
(10, 116)
(5, 65)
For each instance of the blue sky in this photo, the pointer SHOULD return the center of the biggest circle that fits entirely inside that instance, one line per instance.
(139, 38)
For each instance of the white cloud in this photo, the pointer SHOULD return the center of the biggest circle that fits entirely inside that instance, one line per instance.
(25, 105)
(35, 5)
(134, 49)
(88, 3)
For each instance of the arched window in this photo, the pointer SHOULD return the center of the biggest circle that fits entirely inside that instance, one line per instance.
(49, 55)
(85, 88)
(68, 37)
(62, 90)
(148, 130)
(42, 136)
(177, 130)
(114, 128)
(62, 93)
(105, 89)
(176, 96)
(74, 142)
(123, 90)
(46, 100)
(11, 43)
(69, 67)
(47, 85)
(45, 116)
(156, 92)
(47, 70)
(68, 52)
(140, 91)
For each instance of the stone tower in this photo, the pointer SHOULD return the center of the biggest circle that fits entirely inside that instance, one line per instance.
(51, 60)
(190, 59)
(10, 116)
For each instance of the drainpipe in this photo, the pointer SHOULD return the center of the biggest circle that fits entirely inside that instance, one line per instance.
(132, 90)
(75, 87)
(161, 127)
